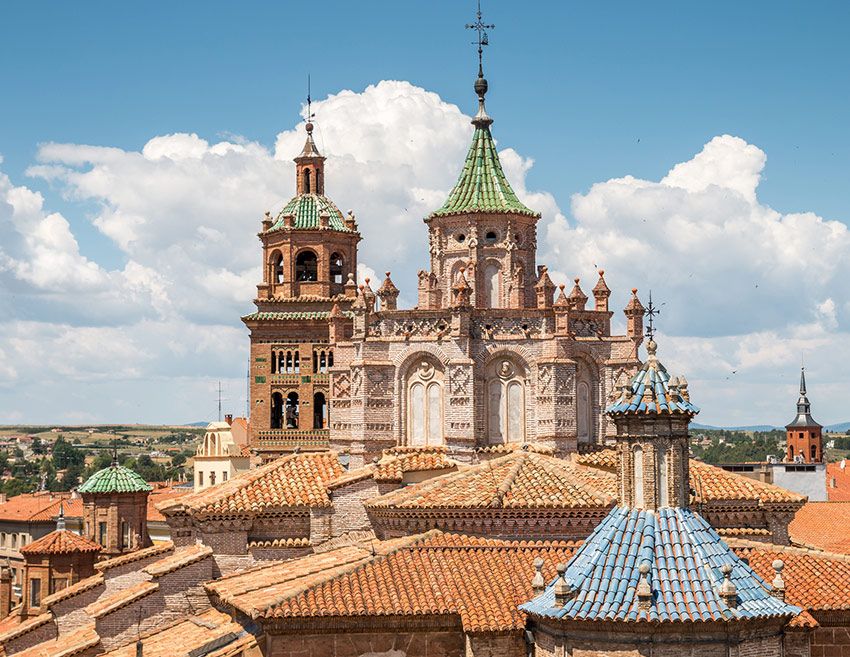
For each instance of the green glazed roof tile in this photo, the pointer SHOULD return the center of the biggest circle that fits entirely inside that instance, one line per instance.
(307, 208)
(482, 186)
(297, 315)
(115, 479)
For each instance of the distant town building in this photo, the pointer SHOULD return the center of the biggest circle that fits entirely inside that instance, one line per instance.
(115, 502)
(222, 454)
(802, 469)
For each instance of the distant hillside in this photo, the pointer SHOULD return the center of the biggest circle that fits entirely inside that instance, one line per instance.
(841, 427)
(752, 427)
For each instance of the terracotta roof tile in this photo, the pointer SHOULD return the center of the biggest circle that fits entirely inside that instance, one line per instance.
(66, 645)
(119, 599)
(715, 484)
(40, 507)
(712, 484)
(823, 525)
(161, 495)
(137, 555)
(75, 589)
(841, 477)
(813, 581)
(519, 479)
(182, 557)
(481, 580)
(60, 541)
(293, 480)
(396, 462)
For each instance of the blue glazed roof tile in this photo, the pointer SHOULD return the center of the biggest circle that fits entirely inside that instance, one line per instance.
(685, 555)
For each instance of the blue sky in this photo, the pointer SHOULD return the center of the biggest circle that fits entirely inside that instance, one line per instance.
(589, 91)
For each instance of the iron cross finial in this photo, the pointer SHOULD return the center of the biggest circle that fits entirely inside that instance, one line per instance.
(481, 27)
(651, 311)
(310, 114)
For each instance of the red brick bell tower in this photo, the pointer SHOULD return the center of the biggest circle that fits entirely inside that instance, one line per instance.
(804, 442)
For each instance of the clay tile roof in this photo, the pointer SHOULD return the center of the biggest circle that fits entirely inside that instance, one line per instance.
(66, 645)
(39, 507)
(814, 581)
(161, 495)
(480, 580)
(803, 620)
(711, 484)
(182, 557)
(517, 480)
(199, 634)
(82, 586)
(599, 458)
(60, 541)
(137, 555)
(841, 476)
(716, 484)
(296, 480)
(108, 604)
(822, 525)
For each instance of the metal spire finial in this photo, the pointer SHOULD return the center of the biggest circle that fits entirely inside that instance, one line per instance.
(310, 114)
(114, 452)
(60, 521)
(651, 311)
(481, 27)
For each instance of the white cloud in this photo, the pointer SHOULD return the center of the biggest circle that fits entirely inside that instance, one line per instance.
(749, 285)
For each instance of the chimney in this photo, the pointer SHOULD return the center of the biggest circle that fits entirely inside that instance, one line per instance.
(5, 591)
(229, 419)
(778, 590)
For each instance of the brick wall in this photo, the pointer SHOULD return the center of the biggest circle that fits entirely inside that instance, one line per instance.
(830, 642)
(71, 614)
(511, 644)
(45, 632)
(355, 644)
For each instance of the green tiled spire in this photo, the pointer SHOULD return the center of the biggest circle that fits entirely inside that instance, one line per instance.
(115, 479)
(482, 186)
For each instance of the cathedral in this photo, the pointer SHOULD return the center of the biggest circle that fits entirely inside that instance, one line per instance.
(493, 353)
(488, 474)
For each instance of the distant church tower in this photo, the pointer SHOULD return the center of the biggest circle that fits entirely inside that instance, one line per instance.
(804, 441)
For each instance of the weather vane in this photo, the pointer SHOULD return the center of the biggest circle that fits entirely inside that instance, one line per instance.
(310, 114)
(651, 311)
(481, 27)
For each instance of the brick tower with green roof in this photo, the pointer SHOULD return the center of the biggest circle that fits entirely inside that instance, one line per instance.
(483, 230)
(115, 509)
(309, 252)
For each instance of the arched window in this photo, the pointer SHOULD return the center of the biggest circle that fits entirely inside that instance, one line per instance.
(212, 478)
(289, 366)
(583, 410)
(315, 361)
(814, 453)
(323, 362)
(306, 267)
(281, 355)
(330, 359)
(306, 181)
(663, 467)
(337, 264)
(292, 410)
(637, 458)
(320, 411)
(491, 237)
(318, 181)
(277, 411)
(425, 405)
(277, 268)
(491, 285)
(505, 402)
(274, 362)
(297, 362)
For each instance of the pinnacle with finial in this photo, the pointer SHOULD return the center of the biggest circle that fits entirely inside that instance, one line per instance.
(481, 119)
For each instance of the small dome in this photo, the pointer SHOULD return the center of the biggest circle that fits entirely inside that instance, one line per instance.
(115, 479)
(306, 209)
